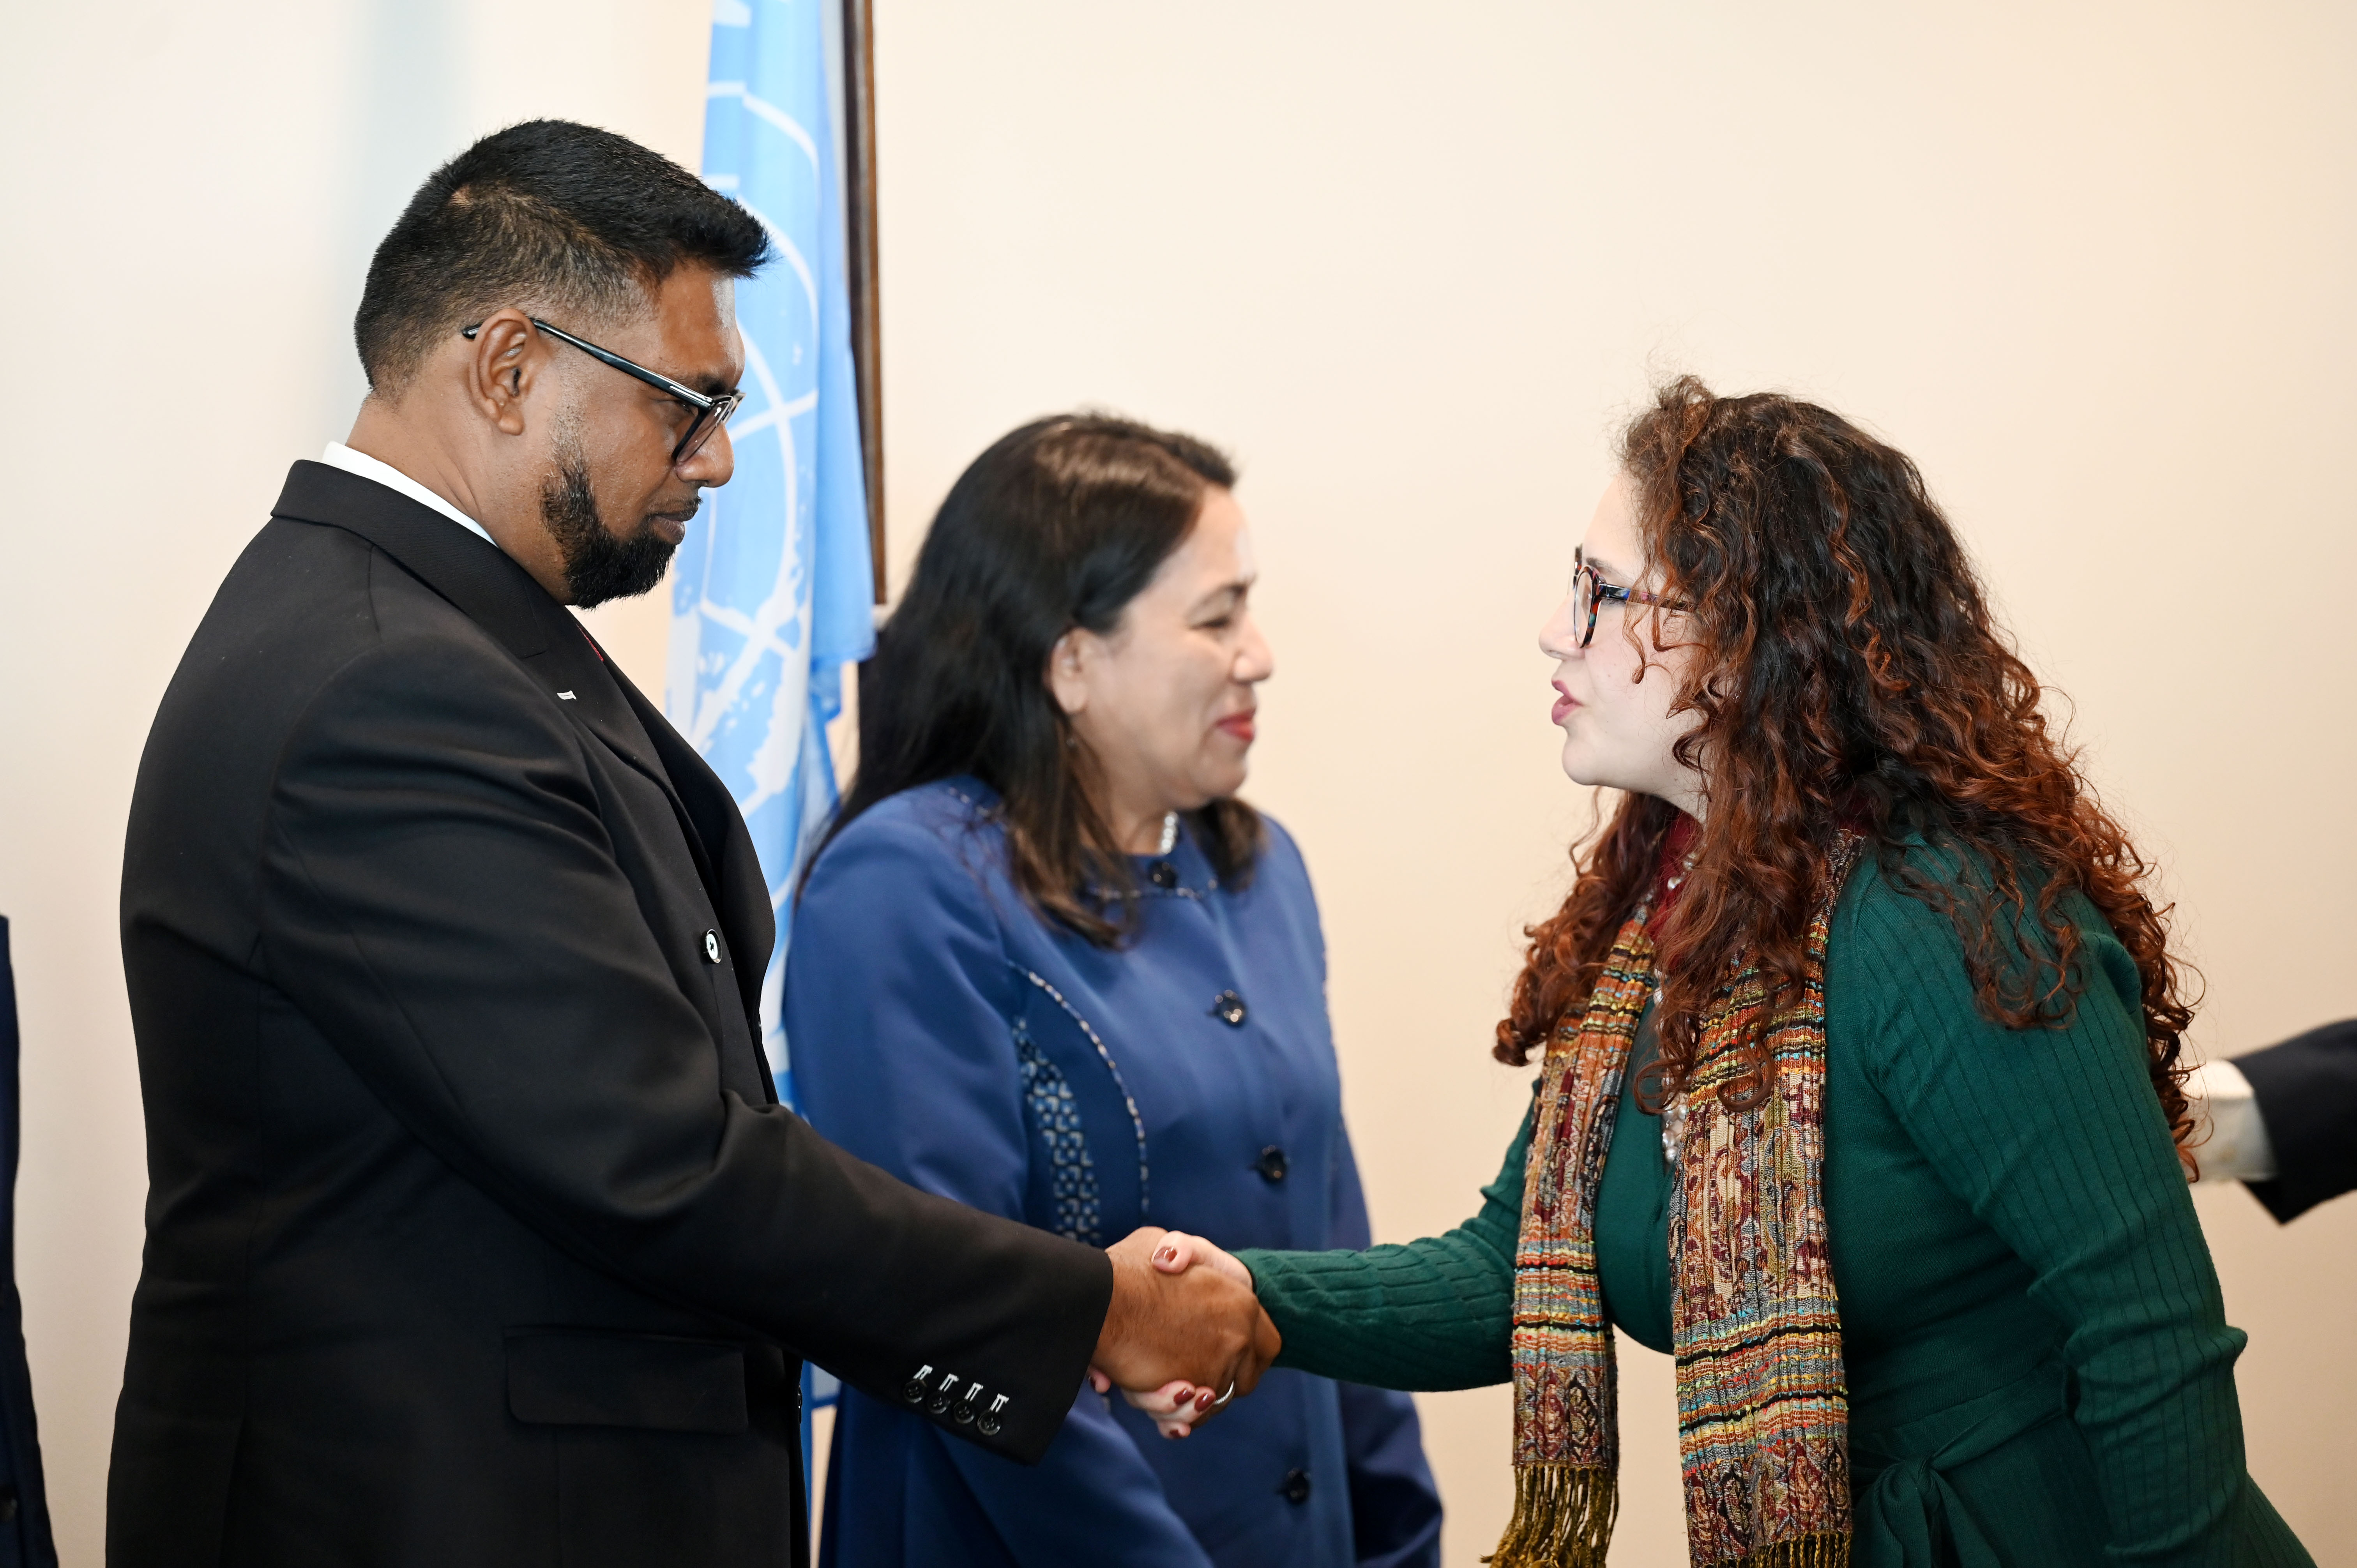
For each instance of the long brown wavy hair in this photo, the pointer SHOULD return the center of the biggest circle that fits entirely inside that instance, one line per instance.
(1846, 674)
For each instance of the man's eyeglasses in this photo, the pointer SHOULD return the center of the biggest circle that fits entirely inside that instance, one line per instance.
(1590, 594)
(709, 413)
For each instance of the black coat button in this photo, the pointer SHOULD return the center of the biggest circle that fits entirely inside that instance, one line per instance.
(1271, 1164)
(712, 947)
(988, 1426)
(1296, 1486)
(1163, 874)
(1228, 1009)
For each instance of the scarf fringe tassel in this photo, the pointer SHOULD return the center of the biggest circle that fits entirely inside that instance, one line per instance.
(1562, 1519)
(1824, 1550)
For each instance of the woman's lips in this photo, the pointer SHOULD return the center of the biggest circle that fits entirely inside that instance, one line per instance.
(1563, 705)
(1239, 725)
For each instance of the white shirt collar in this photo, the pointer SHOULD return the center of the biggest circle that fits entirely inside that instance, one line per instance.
(338, 455)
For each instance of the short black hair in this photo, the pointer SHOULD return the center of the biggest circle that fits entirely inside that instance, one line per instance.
(549, 215)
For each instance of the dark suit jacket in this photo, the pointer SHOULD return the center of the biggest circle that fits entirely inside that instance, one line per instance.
(2307, 1090)
(25, 1539)
(474, 1233)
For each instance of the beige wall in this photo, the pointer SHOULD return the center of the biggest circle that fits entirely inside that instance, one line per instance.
(2090, 263)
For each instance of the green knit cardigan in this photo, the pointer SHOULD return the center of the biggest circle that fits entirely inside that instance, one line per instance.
(2040, 1372)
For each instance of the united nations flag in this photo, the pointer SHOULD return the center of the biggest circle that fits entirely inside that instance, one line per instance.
(770, 594)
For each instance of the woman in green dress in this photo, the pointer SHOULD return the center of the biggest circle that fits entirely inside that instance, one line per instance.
(1860, 1094)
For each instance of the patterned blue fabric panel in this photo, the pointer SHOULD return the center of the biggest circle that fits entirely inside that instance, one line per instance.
(1104, 1055)
(1049, 1097)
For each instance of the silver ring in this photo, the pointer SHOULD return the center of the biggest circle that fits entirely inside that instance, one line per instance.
(1226, 1397)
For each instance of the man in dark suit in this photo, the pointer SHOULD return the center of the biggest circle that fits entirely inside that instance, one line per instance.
(2305, 1091)
(2283, 1121)
(475, 1233)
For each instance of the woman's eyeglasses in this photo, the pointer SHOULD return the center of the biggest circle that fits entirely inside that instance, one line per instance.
(709, 413)
(1590, 593)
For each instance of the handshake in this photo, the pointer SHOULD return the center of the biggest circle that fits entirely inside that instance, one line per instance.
(1184, 1334)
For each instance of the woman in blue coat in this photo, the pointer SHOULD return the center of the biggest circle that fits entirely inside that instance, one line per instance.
(1047, 964)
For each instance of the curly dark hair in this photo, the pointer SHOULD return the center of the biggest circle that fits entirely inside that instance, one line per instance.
(1847, 675)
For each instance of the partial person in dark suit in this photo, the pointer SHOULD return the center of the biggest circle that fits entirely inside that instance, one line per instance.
(25, 1539)
(2283, 1120)
(475, 1235)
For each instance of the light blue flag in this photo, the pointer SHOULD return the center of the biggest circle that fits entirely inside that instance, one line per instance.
(771, 594)
(772, 591)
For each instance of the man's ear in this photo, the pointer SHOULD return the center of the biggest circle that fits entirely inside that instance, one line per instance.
(508, 357)
(1068, 663)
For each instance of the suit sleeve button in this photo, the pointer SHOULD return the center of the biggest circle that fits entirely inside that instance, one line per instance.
(1296, 1486)
(1271, 1164)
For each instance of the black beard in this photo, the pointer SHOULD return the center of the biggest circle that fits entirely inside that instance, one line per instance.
(597, 566)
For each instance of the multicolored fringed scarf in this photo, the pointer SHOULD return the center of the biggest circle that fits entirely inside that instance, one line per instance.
(1762, 1410)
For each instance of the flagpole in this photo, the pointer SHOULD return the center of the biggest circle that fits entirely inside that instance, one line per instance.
(866, 315)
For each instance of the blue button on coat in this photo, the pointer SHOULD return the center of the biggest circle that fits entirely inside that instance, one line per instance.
(943, 1030)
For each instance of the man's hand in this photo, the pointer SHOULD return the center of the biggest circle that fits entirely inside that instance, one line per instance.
(1196, 1333)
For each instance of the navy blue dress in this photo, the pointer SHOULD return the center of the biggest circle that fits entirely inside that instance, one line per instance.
(941, 1029)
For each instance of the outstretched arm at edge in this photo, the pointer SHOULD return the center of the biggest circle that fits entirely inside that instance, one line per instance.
(1425, 1315)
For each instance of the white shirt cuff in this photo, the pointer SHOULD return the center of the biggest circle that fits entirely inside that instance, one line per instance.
(2236, 1148)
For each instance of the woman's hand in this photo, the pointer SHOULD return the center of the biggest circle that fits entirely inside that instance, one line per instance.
(1180, 1252)
(1179, 1407)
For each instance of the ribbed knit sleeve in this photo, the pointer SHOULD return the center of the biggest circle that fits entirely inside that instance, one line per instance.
(1429, 1315)
(2053, 1138)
